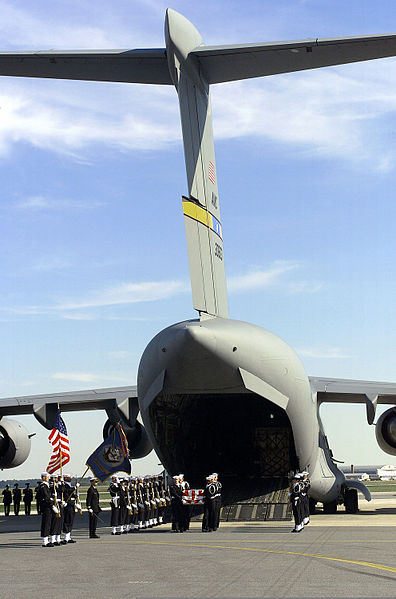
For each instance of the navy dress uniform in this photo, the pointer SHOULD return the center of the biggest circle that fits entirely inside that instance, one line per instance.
(16, 496)
(69, 509)
(209, 517)
(305, 495)
(92, 503)
(296, 503)
(176, 493)
(114, 490)
(45, 500)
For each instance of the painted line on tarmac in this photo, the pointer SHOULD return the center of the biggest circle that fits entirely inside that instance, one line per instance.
(257, 549)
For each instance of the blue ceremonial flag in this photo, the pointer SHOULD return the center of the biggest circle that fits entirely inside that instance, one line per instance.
(111, 456)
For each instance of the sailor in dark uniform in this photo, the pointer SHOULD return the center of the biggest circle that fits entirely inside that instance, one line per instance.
(217, 500)
(140, 495)
(186, 506)
(92, 503)
(56, 517)
(27, 498)
(176, 493)
(7, 500)
(133, 501)
(114, 490)
(306, 484)
(295, 500)
(209, 520)
(46, 503)
(16, 496)
(124, 513)
(71, 503)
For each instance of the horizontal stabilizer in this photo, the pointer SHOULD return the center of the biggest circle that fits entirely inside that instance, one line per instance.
(129, 66)
(231, 63)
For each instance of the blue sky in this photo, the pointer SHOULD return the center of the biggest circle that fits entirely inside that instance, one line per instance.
(93, 256)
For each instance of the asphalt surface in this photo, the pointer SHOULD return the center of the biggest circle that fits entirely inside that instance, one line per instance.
(337, 555)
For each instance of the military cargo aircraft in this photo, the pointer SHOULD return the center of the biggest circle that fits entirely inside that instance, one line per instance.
(213, 393)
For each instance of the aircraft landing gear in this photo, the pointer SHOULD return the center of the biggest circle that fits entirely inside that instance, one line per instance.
(351, 501)
(330, 508)
(312, 506)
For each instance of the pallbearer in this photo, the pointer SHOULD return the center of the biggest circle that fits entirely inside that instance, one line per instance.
(69, 508)
(124, 520)
(217, 500)
(186, 509)
(45, 501)
(161, 495)
(208, 521)
(306, 485)
(93, 507)
(176, 493)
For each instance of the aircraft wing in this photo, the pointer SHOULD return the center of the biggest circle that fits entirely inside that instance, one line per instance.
(129, 66)
(91, 399)
(370, 393)
(231, 63)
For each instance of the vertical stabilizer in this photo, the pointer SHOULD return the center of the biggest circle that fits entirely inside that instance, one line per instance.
(201, 208)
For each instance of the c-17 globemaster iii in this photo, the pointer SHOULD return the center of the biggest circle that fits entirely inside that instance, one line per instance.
(213, 393)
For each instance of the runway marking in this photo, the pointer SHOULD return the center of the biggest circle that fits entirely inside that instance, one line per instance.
(313, 555)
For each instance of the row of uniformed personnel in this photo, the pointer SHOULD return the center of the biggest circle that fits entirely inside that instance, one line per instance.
(299, 499)
(58, 501)
(137, 503)
(15, 497)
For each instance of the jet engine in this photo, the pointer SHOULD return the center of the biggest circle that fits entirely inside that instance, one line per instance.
(14, 443)
(385, 431)
(138, 441)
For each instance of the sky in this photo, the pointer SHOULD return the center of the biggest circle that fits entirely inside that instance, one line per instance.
(93, 257)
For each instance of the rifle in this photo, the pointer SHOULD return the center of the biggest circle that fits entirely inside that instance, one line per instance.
(58, 514)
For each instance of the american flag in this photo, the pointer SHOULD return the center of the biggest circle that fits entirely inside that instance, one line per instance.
(60, 445)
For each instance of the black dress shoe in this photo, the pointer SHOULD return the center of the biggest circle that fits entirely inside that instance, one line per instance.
(57, 544)
(124, 532)
(48, 545)
(63, 542)
(118, 533)
(71, 541)
(94, 537)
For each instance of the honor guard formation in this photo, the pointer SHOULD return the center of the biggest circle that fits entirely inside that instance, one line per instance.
(136, 503)
(299, 499)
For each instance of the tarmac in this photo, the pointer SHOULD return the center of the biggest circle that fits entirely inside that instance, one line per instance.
(339, 555)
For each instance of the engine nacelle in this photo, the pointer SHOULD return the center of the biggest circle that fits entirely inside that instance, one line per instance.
(14, 443)
(138, 442)
(385, 431)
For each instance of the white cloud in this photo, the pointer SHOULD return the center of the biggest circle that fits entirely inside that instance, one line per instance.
(37, 203)
(127, 293)
(89, 377)
(323, 352)
(259, 279)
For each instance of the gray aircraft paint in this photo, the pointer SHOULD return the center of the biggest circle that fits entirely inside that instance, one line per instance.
(214, 354)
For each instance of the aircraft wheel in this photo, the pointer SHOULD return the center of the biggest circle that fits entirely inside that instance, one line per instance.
(312, 506)
(330, 508)
(351, 501)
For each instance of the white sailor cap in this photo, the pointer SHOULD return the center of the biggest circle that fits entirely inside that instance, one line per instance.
(67, 476)
(181, 475)
(214, 474)
(176, 477)
(297, 475)
(115, 476)
(209, 477)
(54, 475)
(304, 473)
(44, 474)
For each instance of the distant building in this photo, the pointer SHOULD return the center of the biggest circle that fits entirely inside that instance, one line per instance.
(357, 476)
(387, 473)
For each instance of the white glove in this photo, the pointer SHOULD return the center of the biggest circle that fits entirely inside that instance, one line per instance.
(141, 505)
(55, 509)
(78, 506)
(90, 510)
(77, 485)
(147, 502)
(134, 505)
(153, 502)
(64, 503)
(129, 507)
